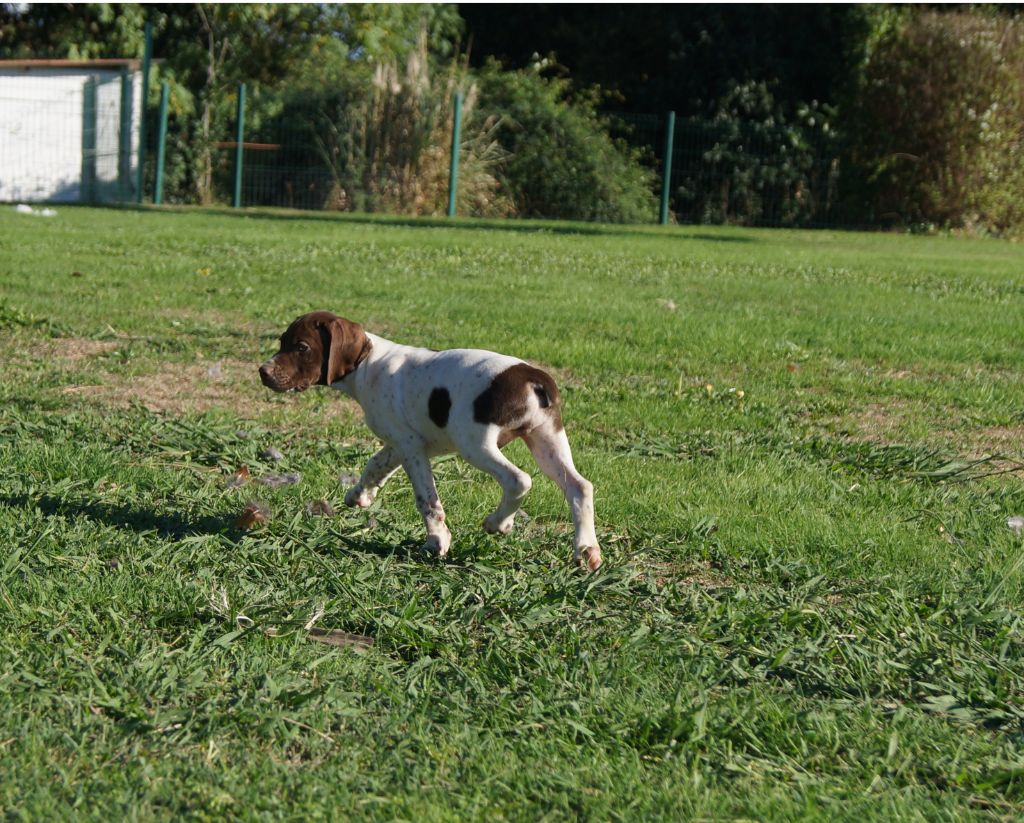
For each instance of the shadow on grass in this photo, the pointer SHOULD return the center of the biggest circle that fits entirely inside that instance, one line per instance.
(176, 526)
(515, 225)
(170, 525)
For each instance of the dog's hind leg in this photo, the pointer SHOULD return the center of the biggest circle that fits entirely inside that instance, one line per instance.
(515, 484)
(550, 448)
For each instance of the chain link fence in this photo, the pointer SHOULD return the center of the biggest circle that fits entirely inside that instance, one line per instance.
(741, 173)
(76, 139)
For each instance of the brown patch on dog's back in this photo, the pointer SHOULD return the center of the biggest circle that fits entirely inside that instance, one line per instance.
(506, 401)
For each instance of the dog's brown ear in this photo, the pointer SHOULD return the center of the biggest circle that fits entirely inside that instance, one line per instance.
(345, 347)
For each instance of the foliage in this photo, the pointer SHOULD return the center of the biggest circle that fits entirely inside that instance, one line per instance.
(562, 162)
(678, 57)
(387, 140)
(68, 31)
(379, 142)
(935, 123)
(757, 164)
(868, 115)
(206, 50)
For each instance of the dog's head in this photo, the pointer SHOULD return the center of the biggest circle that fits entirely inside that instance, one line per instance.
(318, 349)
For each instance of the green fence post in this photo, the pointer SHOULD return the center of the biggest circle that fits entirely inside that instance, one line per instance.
(161, 145)
(666, 173)
(453, 177)
(88, 189)
(124, 140)
(239, 139)
(147, 57)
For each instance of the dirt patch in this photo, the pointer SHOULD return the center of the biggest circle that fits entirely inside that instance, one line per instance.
(563, 377)
(230, 385)
(1003, 440)
(699, 575)
(876, 422)
(887, 423)
(73, 348)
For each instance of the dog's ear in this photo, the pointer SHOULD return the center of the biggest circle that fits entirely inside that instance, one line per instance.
(345, 346)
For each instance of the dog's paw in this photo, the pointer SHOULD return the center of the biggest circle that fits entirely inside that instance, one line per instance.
(492, 525)
(358, 498)
(588, 558)
(437, 544)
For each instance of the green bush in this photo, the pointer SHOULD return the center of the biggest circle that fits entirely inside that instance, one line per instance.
(561, 161)
(755, 163)
(935, 124)
(380, 142)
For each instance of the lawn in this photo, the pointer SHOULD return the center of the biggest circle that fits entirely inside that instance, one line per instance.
(805, 447)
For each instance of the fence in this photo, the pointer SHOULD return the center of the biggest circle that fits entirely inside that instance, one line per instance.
(739, 172)
(713, 172)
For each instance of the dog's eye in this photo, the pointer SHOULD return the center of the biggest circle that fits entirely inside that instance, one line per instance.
(303, 348)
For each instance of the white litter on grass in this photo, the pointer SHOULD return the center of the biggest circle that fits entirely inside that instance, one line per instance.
(1016, 523)
(219, 601)
(275, 480)
(21, 208)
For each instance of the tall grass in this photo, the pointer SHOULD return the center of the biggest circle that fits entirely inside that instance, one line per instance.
(391, 151)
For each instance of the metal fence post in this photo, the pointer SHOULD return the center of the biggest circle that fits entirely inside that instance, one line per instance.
(239, 140)
(666, 173)
(147, 57)
(453, 177)
(88, 190)
(124, 140)
(161, 145)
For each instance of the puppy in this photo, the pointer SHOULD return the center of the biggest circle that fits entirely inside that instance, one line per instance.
(422, 403)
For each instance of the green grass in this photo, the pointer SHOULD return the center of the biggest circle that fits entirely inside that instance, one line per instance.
(805, 448)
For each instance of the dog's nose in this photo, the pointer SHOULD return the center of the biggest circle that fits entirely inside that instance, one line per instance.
(265, 372)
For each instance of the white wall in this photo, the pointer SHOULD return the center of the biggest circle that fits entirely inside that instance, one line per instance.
(41, 135)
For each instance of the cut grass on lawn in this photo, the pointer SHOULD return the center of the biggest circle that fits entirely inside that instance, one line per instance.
(806, 448)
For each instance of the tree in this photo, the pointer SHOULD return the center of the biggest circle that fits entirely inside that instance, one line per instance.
(206, 50)
(680, 57)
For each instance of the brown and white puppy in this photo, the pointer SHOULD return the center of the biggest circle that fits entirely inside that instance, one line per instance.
(422, 403)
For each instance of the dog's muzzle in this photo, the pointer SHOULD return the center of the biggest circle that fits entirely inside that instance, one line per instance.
(269, 378)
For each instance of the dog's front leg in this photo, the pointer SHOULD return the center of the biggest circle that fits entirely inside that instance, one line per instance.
(417, 466)
(381, 466)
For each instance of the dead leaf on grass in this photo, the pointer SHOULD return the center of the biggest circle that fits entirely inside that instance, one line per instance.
(254, 514)
(276, 480)
(238, 477)
(320, 508)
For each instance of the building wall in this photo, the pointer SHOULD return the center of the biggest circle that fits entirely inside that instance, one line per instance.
(60, 134)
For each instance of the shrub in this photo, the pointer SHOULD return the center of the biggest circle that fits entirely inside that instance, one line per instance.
(754, 164)
(382, 142)
(935, 125)
(561, 161)
(396, 155)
